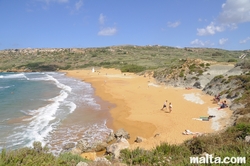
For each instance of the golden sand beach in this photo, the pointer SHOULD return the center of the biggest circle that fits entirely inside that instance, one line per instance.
(139, 100)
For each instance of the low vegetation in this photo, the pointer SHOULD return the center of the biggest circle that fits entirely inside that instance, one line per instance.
(37, 156)
(148, 57)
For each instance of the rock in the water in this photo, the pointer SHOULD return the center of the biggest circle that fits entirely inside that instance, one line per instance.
(83, 145)
(110, 137)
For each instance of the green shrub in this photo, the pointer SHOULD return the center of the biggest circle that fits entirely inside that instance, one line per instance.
(216, 78)
(37, 156)
(65, 67)
(217, 54)
(181, 73)
(132, 68)
(232, 60)
(160, 155)
(69, 159)
(202, 65)
(196, 146)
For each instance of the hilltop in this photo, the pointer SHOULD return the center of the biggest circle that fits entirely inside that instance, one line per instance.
(147, 57)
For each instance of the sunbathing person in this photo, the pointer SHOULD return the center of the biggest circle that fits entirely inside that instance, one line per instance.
(217, 98)
(188, 132)
(223, 104)
(204, 118)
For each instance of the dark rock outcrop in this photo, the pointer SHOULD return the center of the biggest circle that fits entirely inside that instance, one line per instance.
(139, 139)
(197, 85)
(110, 137)
(121, 133)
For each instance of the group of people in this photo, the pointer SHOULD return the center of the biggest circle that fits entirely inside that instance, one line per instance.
(170, 106)
(216, 98)
(222, 104)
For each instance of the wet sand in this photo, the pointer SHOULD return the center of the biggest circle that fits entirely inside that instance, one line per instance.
(138, 101)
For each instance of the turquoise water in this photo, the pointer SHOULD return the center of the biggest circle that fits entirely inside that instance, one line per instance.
(49, 107)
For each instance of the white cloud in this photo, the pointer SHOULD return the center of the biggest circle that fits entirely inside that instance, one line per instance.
(235, 11)
(244, 40)
(197, 42)
(107, 31)
(222, 41)
(102, 19)
(174, 24)
(211, 29)
(78, 4)
(200, 43)
(232, 13)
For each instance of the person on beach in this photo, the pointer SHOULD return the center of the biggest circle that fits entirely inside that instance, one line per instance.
(188, 132)
(164, 105)
(223, 104)
(170, 107)
(217, 98)
(204, 118)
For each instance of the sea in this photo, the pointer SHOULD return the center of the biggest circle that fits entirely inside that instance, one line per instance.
(51, 108)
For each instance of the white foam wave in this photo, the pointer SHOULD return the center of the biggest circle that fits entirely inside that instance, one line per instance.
(5, 87)
(90, 133)
(60, 85)
(26, 112)
(96, 132)
(63, 95)
(18, 75)
(48, 77)
(43, 121)
(193, 97)
(72, 106)
(4, 120)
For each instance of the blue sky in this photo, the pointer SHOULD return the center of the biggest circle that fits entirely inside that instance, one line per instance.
(221, 24)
